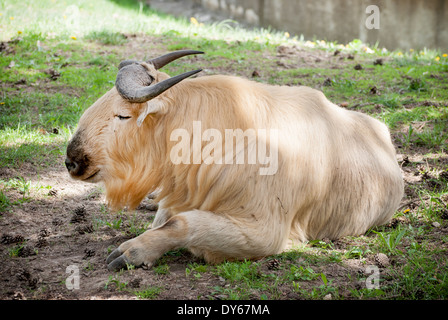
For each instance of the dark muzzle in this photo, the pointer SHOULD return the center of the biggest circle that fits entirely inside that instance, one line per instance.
(76, 161)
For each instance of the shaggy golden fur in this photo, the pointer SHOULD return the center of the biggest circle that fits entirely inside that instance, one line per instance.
(337, 172)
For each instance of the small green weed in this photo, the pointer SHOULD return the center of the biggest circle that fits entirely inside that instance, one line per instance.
(109, 219)
(15, 251)
(5, 202)
(162, 269)
(115, 280)
(246, 271)
(389, 241)
(301, 273)
(417, 85)
(356, 253)
(148, 293)
(196, 270)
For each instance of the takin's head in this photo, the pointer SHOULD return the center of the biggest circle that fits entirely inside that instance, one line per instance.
(106, 128)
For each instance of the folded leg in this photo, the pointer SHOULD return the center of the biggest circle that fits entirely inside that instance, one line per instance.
(212, 236)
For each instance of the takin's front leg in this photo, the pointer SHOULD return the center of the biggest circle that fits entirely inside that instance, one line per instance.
(206, 234)
(163, 215)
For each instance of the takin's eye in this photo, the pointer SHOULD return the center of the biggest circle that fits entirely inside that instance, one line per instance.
(122, 117)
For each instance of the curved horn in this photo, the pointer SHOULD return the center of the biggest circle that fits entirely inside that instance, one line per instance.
(134, 83)
(161, 61)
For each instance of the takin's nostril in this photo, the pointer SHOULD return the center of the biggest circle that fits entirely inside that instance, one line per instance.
(71, 165)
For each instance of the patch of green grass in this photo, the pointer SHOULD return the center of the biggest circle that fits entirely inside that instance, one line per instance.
(357, 252)
(423, 273)
(236, 272)
(105, 19)
(246, 280)
(17, 191)
(39, 112)
(112, 220)
(5, 202)
(300, 273)
(107, 37)
(21, 145)
(318, 292)
(196, 270)
(137, 226)
(15, 251)
(148, 293)
(162, 269)
(50, 112)
(115, 281)
(406, 117)
(390, 240)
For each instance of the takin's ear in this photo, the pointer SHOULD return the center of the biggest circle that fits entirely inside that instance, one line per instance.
(151, 107)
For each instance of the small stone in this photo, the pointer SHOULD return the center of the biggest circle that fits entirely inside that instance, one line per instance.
(436, 224)
(328, 297)
(18, 296)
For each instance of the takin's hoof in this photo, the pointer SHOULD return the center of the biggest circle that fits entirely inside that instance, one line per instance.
(117, 261)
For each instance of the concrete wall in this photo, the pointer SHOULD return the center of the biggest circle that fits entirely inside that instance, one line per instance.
(403, 24)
